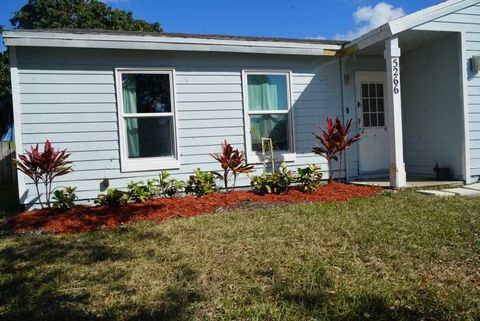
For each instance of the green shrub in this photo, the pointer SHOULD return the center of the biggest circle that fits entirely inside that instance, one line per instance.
(202, 183)
(309, 178)
(169, 186)
(272, 183)
(113, 197)
(64, 199)
(140, 192)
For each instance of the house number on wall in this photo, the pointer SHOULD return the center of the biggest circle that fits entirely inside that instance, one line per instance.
(396, 77)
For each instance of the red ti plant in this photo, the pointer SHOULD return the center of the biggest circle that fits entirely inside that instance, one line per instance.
(344, 141)
(328, 147)
(233, 163)
(44, 167)
(334, 141)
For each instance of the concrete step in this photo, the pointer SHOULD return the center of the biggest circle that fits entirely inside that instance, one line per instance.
(460, 191)
(435, 193)
(475, 187)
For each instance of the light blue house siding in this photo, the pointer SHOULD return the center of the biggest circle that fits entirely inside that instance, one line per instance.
(466, 21)
(432, 107)
(68, 96)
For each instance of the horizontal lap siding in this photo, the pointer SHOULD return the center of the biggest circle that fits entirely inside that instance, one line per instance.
(68, 97)
(432, 110)
(468, 21)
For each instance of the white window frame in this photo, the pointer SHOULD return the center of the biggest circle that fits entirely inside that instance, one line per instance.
(146, 163)
(362, 77)
(254, 157)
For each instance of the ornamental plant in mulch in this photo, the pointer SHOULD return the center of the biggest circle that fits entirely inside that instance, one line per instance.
(233, 163)
(333, 143)
(43, 168)
(87, 218)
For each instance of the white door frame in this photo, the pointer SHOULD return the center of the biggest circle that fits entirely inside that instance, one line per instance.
(369, 76)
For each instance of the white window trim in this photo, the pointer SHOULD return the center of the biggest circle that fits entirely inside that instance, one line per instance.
(148, 163)
(254, 157)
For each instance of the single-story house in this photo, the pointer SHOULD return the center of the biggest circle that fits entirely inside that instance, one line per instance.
(127, 105)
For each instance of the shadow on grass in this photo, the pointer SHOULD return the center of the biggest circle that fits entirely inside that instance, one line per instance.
(9, 204)
(35, 272)
(322, 303)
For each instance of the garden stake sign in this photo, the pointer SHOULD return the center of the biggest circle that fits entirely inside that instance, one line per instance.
(267, 145)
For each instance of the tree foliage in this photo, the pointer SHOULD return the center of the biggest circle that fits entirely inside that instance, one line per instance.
(80, 14)
(54, 14)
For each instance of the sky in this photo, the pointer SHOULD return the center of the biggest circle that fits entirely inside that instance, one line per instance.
(330, 19)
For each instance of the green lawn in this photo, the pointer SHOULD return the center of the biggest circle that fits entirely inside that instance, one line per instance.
(8, 200)
(392, 257)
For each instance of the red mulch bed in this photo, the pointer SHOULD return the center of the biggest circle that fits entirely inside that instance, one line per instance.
(88, 218)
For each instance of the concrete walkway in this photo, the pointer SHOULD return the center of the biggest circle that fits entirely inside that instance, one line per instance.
(467, 190)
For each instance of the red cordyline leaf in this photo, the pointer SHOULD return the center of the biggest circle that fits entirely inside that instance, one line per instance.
(334, 141)
(44, 166)
(232, 162)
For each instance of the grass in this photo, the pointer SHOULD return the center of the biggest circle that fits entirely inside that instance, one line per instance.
(401, 256)
(8, 200)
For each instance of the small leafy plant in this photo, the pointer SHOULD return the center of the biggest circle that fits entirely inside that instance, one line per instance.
(64, 199)
(309, 178)
(233, 163)
(201, 183)
(44, 167)
(113, 197)
(169, 186)
(334, 141)
(273, 183)
(140, 192)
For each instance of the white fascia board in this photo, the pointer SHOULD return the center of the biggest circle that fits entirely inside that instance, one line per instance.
(408, 22)
(105, 41)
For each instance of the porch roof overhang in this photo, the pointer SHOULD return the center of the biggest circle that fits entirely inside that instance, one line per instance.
(71, 38)
(405, 23)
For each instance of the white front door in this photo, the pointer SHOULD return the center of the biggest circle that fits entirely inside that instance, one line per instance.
(373, 147)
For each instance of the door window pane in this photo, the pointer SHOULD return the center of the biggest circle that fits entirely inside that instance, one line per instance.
(366, 120)
(373, 105)
(381, 119)
(146, 93)
(267, 92)
(149, 137)
(380, 104)
(373, 119)
(269, 126)
(366, 107)
(365, 90)
(379, 90)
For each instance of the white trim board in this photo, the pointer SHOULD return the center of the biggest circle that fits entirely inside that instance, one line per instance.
(407, 22)
(464, 103)
(17, 120)
(145, 42)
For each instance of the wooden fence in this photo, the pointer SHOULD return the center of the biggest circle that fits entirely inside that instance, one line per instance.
(8, 173)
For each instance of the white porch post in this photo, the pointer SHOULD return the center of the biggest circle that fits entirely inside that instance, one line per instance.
(398, 176)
